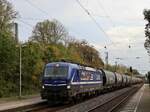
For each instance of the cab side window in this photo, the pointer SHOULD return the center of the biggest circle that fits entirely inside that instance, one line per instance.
(76, 76)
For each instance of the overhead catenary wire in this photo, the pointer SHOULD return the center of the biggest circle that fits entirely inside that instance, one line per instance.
(89, 14)
(26, 23)
(93, 19)
(33, 5)
(107, 15)
(110, 19)
(108, 45)
(33, 19)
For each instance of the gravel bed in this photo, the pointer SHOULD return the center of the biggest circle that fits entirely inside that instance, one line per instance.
(85, 106)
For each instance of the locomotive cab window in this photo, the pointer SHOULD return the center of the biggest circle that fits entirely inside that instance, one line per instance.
(56, 71)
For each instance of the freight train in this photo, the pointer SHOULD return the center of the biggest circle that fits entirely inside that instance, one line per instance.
(64, 81)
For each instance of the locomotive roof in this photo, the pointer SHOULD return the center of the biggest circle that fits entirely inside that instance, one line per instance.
(62, 63)
(72, 65)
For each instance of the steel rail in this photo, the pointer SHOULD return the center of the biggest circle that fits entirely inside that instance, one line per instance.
(114, 108)
(128, 93)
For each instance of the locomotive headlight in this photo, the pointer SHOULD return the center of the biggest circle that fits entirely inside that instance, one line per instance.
(68, 87)
(43, 87)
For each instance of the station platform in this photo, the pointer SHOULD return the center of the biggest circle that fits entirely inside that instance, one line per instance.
(139, 102)
(12, 104)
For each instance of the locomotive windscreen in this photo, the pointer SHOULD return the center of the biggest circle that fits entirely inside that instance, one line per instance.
(56, 71)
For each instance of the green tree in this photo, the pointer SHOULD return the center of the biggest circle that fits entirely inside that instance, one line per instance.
(32, 65)
(122, 69)
(7, 15)
(8, 51)
(88, 53)
(8, 65)
(147, 30)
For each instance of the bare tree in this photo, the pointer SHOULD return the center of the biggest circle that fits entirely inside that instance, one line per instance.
(49, 32)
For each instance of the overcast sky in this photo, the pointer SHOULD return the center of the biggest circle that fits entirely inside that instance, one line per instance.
(122, 21)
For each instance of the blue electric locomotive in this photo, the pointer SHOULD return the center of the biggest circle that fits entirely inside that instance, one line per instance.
(64, 81)
(68, 81)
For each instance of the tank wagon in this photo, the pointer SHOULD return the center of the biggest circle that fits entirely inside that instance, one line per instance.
(63, 81)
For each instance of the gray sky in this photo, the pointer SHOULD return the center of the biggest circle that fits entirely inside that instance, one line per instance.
(122, 21)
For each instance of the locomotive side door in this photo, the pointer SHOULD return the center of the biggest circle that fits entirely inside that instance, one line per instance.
(76, 81)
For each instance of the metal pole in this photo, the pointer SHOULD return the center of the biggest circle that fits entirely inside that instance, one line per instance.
(106, 59)
(116, 66)
(20, 94)
(20, 55)
(16, 32)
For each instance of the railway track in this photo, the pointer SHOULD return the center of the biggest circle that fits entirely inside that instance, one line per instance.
(46, 108)
(113, 104)
(108, 102)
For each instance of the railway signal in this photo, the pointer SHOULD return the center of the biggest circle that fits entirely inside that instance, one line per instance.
(131, 69)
